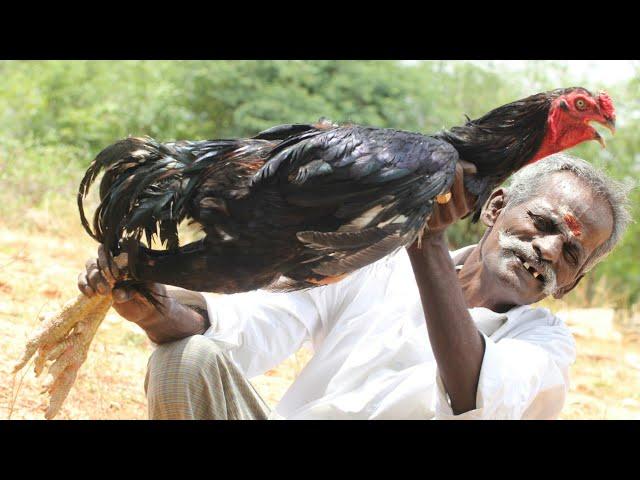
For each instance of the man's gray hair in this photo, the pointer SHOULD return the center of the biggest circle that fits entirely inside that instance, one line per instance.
(530, 180)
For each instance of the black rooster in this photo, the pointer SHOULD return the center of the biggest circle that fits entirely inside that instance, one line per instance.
(310, 203)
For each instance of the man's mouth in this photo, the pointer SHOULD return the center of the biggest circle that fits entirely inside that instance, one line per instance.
(524, 252)
(531, 269)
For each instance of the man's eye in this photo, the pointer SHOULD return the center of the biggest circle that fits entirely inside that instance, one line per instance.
(571, 256)
(541, 223)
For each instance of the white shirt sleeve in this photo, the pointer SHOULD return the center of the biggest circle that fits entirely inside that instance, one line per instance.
(525, 376)
(260, 329)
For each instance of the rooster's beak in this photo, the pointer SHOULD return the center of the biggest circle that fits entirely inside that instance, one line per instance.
(610, 123)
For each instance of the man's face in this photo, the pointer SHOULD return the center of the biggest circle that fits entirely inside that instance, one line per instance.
(539, 247)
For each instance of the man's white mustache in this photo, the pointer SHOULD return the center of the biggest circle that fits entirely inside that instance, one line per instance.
(526, 251)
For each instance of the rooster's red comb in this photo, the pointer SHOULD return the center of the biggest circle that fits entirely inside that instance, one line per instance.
(606, 105)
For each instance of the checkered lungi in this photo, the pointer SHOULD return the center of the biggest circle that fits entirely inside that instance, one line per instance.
(193, 379)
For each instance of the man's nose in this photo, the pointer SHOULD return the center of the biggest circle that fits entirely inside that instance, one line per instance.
(548, 247)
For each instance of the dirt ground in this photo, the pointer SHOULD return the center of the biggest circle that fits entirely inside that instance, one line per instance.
(38, 274)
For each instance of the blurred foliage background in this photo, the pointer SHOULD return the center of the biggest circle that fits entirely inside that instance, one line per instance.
(55, 116)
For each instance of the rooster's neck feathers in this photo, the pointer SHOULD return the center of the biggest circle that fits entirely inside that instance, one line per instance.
(507, 138)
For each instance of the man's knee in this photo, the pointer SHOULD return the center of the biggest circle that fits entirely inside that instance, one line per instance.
(180, 365)
(193, 379)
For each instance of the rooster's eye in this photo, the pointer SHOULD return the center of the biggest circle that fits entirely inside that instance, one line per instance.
(581, 104)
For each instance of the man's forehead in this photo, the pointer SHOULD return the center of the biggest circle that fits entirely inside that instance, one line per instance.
(567, 188)
(569, 193)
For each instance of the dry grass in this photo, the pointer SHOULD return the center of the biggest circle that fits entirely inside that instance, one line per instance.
(605, 380)
(38, 268)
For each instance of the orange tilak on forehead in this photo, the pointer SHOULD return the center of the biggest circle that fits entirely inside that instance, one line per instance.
(573, 224)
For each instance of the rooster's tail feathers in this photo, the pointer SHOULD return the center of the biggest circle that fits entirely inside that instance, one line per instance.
(114, 159)
(140, 192)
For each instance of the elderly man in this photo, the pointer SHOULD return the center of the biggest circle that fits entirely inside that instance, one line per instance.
(421, 334)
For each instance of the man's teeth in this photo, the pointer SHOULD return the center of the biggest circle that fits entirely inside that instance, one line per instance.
(530, 269)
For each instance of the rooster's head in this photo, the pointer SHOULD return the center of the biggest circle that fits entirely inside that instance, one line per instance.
(569, 120)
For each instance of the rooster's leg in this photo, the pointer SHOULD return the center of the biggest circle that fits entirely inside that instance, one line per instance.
(64, 339)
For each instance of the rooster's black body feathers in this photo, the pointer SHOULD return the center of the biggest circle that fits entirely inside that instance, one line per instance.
(306, 202)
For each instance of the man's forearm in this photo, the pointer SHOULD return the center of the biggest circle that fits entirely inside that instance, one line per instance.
(457, 344)
(178, 318)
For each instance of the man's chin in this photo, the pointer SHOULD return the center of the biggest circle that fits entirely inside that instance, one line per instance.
(515, 287)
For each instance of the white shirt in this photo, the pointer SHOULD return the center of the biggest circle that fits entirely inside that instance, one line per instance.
(372, 357)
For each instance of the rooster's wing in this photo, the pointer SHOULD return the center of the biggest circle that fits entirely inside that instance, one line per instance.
(379, 183)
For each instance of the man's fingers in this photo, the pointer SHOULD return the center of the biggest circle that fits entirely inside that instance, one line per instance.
(458, 191)
(98, 283)
(468, 168)
(458, 184)
(446, 215)
(83, 286)
(466, 200)
(91, 265)
(109, 269)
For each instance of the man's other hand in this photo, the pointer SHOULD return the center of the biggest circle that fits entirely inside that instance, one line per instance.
(99, 279)
(460, 204)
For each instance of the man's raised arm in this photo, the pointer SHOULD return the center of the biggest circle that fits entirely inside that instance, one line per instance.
(457, 344)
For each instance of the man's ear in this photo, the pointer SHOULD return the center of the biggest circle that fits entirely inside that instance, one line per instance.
(564, 290)
(494, 207)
